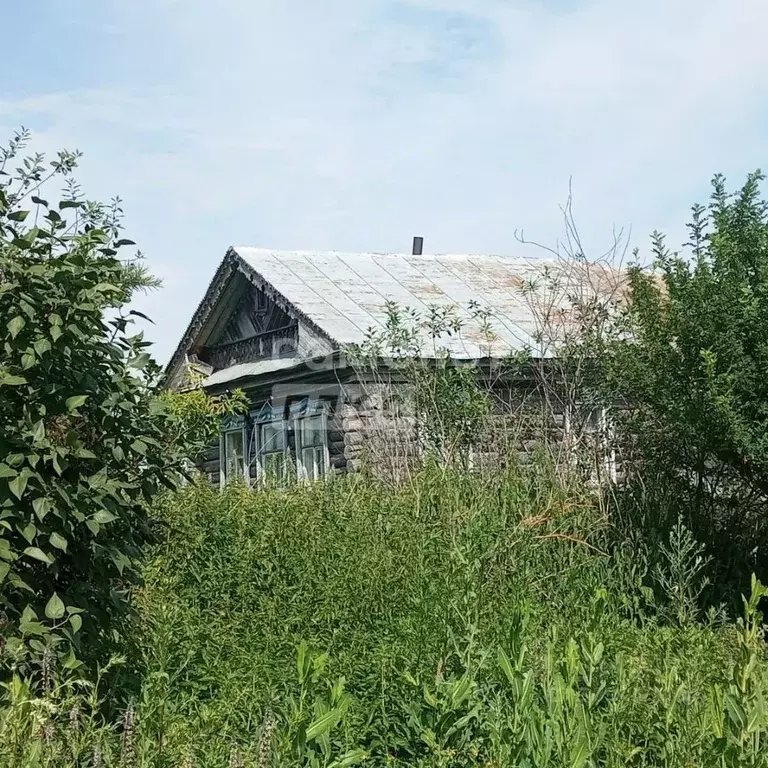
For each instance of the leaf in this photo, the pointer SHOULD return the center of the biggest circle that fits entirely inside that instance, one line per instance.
(70, 204)
(460, 690)
(353, 757)
(5, 550)
(41, 506)
(15, 325)
(506, 665)
(76, 622)
(141, 315)
(70, 660)
(324, 724)
(580, 751)
(58, 541)
(39, 201)
(75, 402)
(140, 447)
(12, 381)
(18, 215)
(103, 517)
(38, 554)
(140, 361)
(54, 608)
(55, 332)
(736, 711)
(41, 346)
(18, 485)
(6, 471)
(38, 431)
(31, 628)
(4, 568)
(29, 532)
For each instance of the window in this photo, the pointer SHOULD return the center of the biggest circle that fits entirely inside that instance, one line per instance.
(270, 450)
(233, 462)
(311, 444)
(277, 442)
(591, 428)
(273, 451)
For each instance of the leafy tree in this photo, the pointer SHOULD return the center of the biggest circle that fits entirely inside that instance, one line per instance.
(84, 437)
(694, 379)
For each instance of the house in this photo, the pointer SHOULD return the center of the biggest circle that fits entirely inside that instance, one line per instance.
(277, 325)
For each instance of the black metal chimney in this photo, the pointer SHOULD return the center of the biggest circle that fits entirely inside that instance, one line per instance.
(418, 245)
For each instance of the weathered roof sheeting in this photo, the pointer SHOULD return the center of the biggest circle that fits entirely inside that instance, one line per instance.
(249, 370)
(345, 294)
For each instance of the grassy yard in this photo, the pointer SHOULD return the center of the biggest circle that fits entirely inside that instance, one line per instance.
(459, 620)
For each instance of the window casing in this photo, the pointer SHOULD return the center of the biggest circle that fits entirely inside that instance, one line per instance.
(277, 442)
(595, 422)
(269, 448)
(310, 429)
(233, 454)
(312, 446)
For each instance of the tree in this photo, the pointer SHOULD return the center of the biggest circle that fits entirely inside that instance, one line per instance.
(692, 370)
(83, 433)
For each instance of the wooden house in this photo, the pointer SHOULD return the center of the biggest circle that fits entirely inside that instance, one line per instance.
(278, 324)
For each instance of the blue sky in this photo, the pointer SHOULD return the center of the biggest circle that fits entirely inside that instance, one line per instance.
(356, 124)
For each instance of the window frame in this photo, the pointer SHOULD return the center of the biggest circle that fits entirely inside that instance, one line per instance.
(232, 429)
(268, 415)
(599, 422)
(302, 412)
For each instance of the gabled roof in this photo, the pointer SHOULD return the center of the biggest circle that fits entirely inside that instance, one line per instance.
(343, 295)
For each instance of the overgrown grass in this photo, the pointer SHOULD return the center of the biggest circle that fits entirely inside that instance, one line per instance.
(457, 620)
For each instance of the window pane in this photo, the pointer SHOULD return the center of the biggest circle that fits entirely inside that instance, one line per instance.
(274, 466)
(312, 432)
(319, 463)
(233, 454)
(272, 437)
(313, 462)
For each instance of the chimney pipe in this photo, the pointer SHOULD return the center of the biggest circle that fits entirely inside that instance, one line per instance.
(418, 245)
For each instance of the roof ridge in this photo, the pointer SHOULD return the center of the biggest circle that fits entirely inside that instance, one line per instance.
(319, 252)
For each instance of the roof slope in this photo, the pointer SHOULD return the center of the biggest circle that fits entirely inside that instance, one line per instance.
(345, 294)
(341, 296)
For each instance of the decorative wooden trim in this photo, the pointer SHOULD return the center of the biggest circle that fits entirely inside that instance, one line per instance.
(230, 265)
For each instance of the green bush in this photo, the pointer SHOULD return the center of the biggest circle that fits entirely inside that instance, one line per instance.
(460, 620)
(692, 373)
(86, 443)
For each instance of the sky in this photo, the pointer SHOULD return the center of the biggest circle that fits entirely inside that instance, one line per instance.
(354, 125)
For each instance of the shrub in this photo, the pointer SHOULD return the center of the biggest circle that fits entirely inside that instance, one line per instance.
(693, 378)
(84, 438)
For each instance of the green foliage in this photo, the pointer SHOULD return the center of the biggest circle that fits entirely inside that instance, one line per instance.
(692, 371)
(407, 360)
(85, 442)
(463, 620)
(195, 417)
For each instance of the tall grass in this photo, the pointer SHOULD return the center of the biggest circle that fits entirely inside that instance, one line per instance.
(460, 619)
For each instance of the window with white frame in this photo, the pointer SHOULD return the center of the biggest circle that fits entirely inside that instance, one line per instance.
(273, 451)
(233, 457)
(312, 446)
(310, 430)
(269, 444)
(594, 427)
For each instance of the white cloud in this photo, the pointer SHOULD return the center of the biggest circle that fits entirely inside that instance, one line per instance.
(355, 124)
